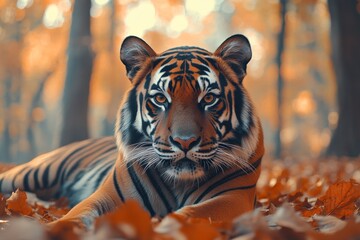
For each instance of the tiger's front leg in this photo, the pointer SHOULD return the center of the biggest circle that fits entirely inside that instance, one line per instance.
(224, 207)
(103, 200)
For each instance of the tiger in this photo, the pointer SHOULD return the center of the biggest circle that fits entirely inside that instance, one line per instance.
(187, 141)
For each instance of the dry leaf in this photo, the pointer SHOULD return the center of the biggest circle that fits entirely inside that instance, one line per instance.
(280, 184)
(17, 203)
(23, 229)
(329, 224)
(339, 200)
(192, 228)
(129, 221)
(350, 231)
(64, 230)
(248, 223)
(2, 206)
(285, 216)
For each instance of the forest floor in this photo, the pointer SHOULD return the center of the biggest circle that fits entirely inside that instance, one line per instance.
(317, 199)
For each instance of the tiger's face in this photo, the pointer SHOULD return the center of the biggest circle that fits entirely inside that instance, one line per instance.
(188, 114)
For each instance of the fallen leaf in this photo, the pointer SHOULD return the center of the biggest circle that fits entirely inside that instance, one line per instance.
(339, 200)
(2, 206)
(63, 230)
(308, 210)
(350, 231)
(129, 221)
(285, 216)
(189, 228)
(329, 224)
(289, 233)
(23, 228)
(248, 223)
(17, 203)
(311, 212)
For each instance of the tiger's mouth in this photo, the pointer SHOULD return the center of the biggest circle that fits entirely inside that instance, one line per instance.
(177, 164)
(183, 169)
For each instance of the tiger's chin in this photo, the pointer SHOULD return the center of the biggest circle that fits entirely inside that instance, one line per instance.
(185, 174)
(184, 170)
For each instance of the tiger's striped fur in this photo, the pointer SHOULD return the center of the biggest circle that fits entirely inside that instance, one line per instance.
(74, 171)
(187, 139)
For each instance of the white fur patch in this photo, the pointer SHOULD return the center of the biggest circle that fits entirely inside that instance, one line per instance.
(185, 174)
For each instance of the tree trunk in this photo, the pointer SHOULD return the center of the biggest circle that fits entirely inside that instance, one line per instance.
(280, 80)
(345, 37)
(77, 82)
(5, 139)
(111, 110)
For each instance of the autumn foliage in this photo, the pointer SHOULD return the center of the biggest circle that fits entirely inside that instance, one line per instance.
(306, 200)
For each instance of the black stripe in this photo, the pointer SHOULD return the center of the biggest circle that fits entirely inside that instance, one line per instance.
(36, 179)
(213, 62)
(185, 49)
(14, 179)
(91, 152)
(167, 68)
(45, 176)
(202, 60)
(155, 184)
(105, 157)
(98, 208)
(102, 174)
(61, 166)
(60, 173)
(99, 173)
(147, 82)
(241, 172)
(26, 181)
(101, 207)
(166, 60)
(232, 189)
(117, 187)
(139, 187)
(202, 68)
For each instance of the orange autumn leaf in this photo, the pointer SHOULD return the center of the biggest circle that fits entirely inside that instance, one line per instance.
(17, 203)
(199, 231)
(315, 190)
(350, 231)
(48, 214)
(193, 228)
(311, 212)
(56, 212)
(339, 200)
(221, 226)
(63, 230)
(2, 205)
(306, 209)
(129, 221)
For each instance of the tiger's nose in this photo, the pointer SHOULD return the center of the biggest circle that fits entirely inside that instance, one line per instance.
(185, 143)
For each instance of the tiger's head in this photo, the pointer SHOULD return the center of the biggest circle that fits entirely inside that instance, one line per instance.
(187, 114)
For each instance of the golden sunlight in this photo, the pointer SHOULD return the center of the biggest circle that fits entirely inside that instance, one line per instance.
(145, 11)
(200, 8)
(304, 104)
(53, 17)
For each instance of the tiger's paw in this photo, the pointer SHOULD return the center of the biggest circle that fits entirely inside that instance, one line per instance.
(67, 225)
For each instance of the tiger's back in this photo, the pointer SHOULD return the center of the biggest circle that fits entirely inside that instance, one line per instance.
(74, 171)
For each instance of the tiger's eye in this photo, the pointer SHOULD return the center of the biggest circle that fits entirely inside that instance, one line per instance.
(209, 98)
(161, 99)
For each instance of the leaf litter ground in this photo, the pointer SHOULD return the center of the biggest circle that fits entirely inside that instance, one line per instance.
(296, 200)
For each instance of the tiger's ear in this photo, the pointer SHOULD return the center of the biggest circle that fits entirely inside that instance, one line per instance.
(236, 52)
(133, 53)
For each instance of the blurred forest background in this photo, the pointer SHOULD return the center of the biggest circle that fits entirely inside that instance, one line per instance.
(61, 79)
